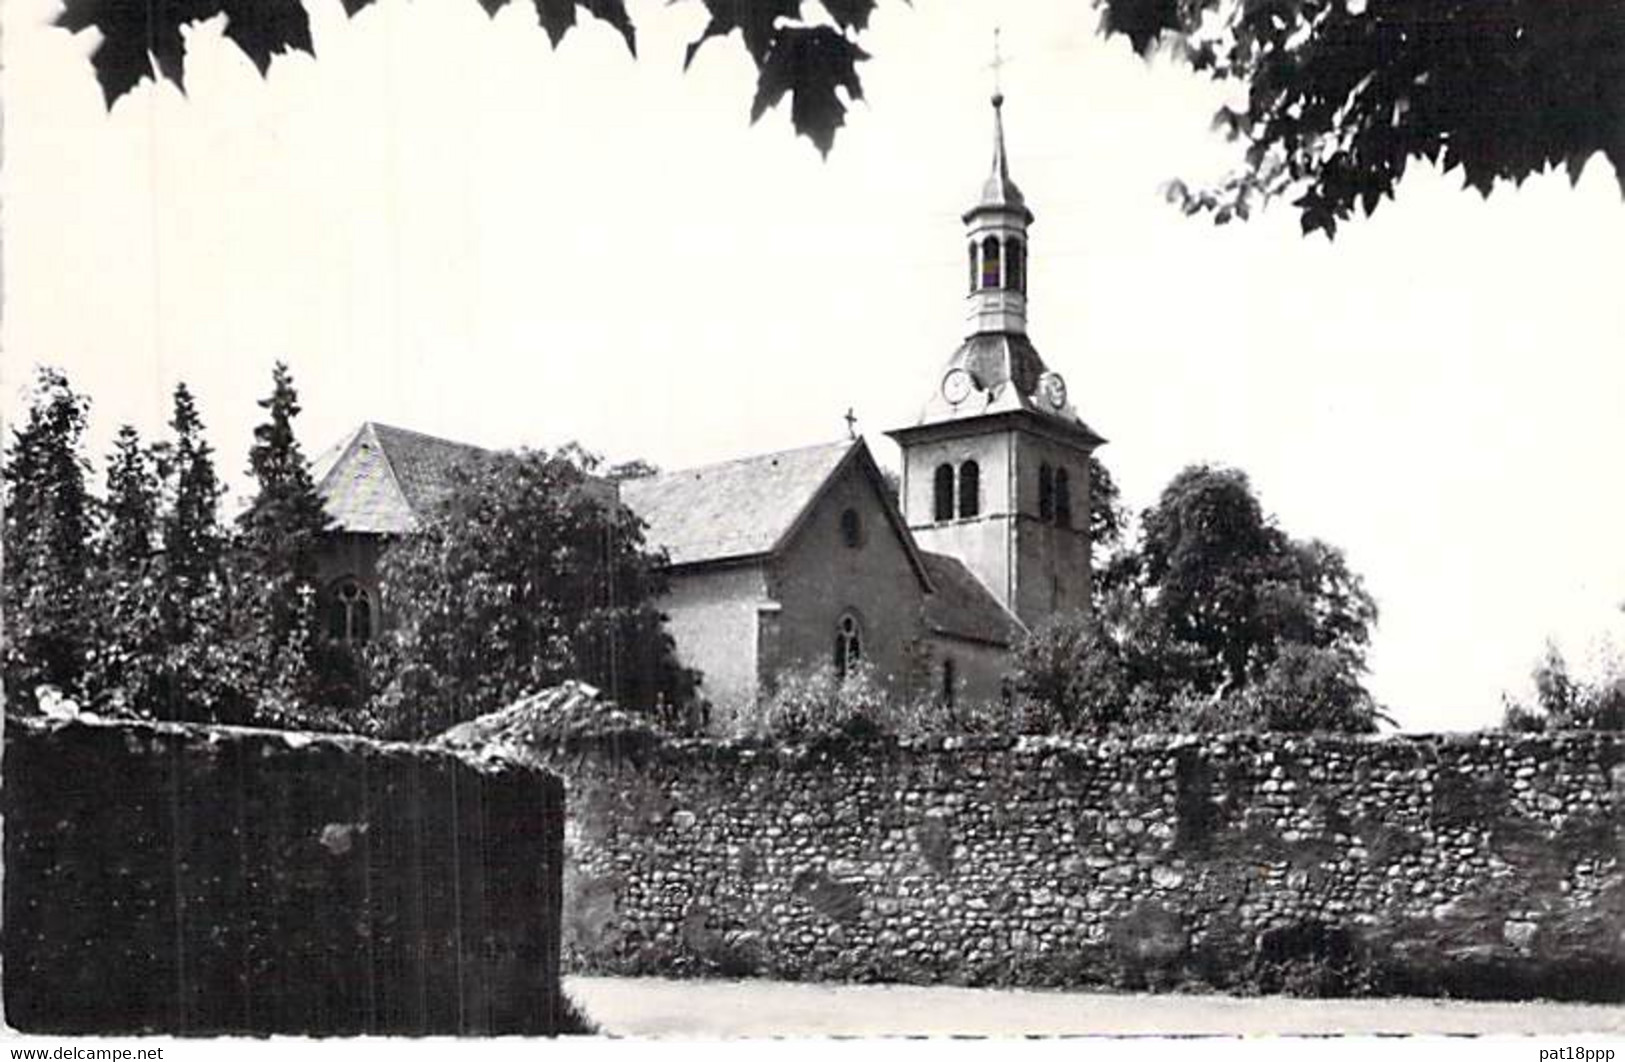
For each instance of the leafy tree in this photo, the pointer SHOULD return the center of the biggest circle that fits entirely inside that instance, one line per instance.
(894, 485)
(278, 539)
(1106, 670)
(1106, 519)
(1341, 96)
(1218, 575)
(528, 573)
(1107, 525)
(1564, 702)
(1214, 619)
(49, 521)
(1305, 688)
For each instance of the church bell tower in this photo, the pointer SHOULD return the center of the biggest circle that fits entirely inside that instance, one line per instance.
(996, 468)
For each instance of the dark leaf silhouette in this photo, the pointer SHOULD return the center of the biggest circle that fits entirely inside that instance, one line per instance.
(756, 20)
(810, 63)
(139, 39)
(850, 14)
(262, 28)
(1342, 95)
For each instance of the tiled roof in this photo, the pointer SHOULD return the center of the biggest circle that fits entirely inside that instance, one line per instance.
(734, 509)
(961, 607)
(379, 479)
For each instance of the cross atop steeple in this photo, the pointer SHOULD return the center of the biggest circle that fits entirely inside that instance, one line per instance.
(999, 192)
(998, 64)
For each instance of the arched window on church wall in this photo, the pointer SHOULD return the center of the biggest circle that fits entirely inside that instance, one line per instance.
(1046, 493)
(1015, 268)
(942, 493)
(851, 529)
(950, 681)
(970, 489)
(349, 612)
(990, 262)
(1063, 498)
(848, 644)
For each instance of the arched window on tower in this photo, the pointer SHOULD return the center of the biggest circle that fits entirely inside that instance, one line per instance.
(349, 612)
(970, 489)
(942, 493)
(1046, 493)
(848, 644)
(1016, 268)
(990, 262)
(971, 253)
(1063, 498)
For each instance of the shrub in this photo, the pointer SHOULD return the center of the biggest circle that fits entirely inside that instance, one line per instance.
(1074, 674)
(810, 703)
(1017, 715)
(1565, 702)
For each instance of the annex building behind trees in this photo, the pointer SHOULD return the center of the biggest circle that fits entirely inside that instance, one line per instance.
(794, 559)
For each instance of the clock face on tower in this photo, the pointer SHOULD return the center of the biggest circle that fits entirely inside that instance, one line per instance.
(1053, 388)
(956, 385)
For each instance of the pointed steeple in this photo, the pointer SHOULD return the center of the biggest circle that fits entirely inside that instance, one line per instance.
(997, 370)
(999, 192)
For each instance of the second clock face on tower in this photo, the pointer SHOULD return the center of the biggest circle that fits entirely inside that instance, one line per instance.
(1053, 388)
(956, 385)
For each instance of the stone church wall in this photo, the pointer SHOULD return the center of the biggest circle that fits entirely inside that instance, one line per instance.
(192, 880)
(715, 617)
(981, 672)
(819, 578)
(1478, 865)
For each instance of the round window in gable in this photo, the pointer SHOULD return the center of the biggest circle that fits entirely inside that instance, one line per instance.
(851, 528)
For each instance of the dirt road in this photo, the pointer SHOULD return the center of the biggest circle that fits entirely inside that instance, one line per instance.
(710, 1009)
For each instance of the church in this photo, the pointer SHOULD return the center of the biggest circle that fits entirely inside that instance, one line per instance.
(804, 557)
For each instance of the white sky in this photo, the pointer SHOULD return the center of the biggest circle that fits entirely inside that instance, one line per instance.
(443, 224)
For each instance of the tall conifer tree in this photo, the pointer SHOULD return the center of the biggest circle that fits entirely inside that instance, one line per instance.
(207, 673)
(193, 539)
(279, 535)
(126, 661)
(132, 506)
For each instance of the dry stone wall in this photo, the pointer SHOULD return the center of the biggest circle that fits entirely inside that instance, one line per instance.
(1479, 865)
(191, 880)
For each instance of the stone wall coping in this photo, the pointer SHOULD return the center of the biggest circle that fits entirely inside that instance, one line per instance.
(1421, 747)
(220, 732)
